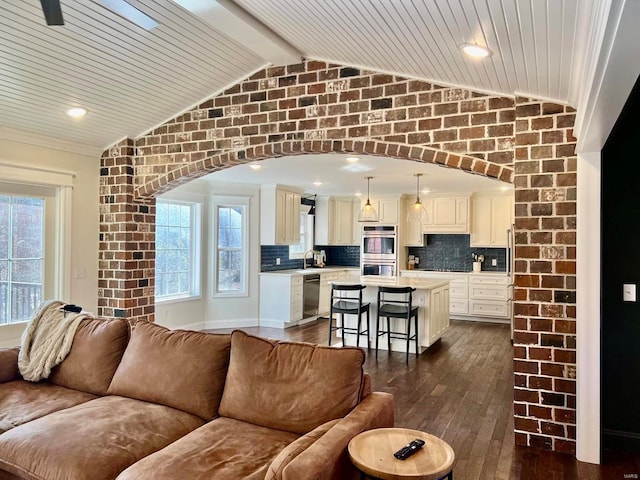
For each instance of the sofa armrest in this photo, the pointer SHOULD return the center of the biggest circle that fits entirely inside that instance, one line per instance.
(327, 458)
(9, 365)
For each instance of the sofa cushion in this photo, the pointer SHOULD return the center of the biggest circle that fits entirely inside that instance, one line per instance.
(92, 441)
(178, 368)
(96, 351)
(9, 365)
(223, 448)
(295, 448)
(290, 386)
(23, 401)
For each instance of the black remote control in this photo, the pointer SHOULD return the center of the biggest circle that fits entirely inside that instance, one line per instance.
(70, 307)
(408, 450)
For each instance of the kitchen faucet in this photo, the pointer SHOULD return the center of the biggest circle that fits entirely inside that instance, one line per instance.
(304, 258)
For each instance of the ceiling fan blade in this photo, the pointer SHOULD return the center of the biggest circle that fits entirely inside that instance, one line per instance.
(52, 12)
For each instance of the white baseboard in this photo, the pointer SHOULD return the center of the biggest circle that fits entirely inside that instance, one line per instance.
(271, 323)
(480, 319)
(215, 324)
(234, 323)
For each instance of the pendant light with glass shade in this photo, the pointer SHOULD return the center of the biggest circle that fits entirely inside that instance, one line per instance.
(417, 212)
(368, 213)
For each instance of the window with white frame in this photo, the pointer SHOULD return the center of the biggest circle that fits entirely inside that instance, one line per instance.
(230, 223)
(306, 234)
(177, 250)
(22, 229)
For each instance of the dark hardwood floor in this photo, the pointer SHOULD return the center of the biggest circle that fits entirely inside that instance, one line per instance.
(461, 390)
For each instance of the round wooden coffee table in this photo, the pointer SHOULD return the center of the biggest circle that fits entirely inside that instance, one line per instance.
(372, 453)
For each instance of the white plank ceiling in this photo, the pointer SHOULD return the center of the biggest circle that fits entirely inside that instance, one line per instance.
(131, 79)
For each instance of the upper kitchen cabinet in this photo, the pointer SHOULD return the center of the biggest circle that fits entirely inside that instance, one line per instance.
(280, 215)
(491, 217)
(446, 214)
(337, 221)
(413, 233)
(387, 209)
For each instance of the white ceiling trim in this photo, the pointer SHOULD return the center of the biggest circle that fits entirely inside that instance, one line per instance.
(238, 24)
(611, 76)
(202, 100)
(414, 77)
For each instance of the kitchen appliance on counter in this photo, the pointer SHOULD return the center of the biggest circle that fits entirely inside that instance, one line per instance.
(379, 252)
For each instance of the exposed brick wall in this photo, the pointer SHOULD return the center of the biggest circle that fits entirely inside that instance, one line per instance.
(314, 108)
(545, 276)
(127, 240)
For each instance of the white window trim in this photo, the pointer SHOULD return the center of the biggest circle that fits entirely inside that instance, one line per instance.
(230, 201)
(196, 249)
(62, 181)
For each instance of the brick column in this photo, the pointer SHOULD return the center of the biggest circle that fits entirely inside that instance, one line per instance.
(126, 256)
(545, 281)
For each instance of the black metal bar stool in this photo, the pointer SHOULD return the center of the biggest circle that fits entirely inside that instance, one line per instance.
(345, 302)
(396, 302)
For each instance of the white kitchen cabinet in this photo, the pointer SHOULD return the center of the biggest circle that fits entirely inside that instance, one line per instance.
(491, 217)
(324, 302)
(473, 295)
(280, 298)
(413, 235)
(488, 295)
(335, 223)
(446, 214)
(280, 216)
(387, 209)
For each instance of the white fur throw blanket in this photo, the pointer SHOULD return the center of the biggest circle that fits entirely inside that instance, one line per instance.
(47, 340)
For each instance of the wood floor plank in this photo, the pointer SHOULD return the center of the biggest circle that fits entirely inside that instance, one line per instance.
(461, 389)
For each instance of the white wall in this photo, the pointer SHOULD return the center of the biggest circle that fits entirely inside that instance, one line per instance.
(84, 223)
(207, 311)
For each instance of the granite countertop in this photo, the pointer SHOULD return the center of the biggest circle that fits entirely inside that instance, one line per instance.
(440, 272)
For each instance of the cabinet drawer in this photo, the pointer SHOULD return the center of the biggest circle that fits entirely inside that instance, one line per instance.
(481, 292)
(296, 296)
(489, 279)
(458, 291)
(329, 277)
(458, 306)
(488, 309)
(297, 280)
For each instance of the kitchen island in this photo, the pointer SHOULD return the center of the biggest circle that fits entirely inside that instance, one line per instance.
(431, 297)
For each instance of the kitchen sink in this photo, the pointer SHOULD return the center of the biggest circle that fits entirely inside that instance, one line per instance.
(310, 270)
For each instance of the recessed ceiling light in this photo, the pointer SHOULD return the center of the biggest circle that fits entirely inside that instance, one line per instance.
(76, 112)
(255, 166)
(425, 190)
(353, 159)
(317, 184)
(474, 50)
(358, 194)
(504, 188)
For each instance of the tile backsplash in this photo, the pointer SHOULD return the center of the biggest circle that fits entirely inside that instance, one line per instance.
(454, 253)
(348, 256)
(269, 254)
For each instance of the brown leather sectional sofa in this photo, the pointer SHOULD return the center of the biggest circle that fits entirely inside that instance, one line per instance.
(151, 403)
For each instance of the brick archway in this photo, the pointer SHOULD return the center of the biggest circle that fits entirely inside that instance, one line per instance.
(416, 153)
(315, 107)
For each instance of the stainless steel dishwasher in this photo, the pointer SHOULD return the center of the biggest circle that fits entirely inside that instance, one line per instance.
(310, 295)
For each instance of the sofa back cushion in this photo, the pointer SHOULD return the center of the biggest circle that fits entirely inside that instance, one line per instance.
(178, 368)
(97, 349)
(290, 386)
